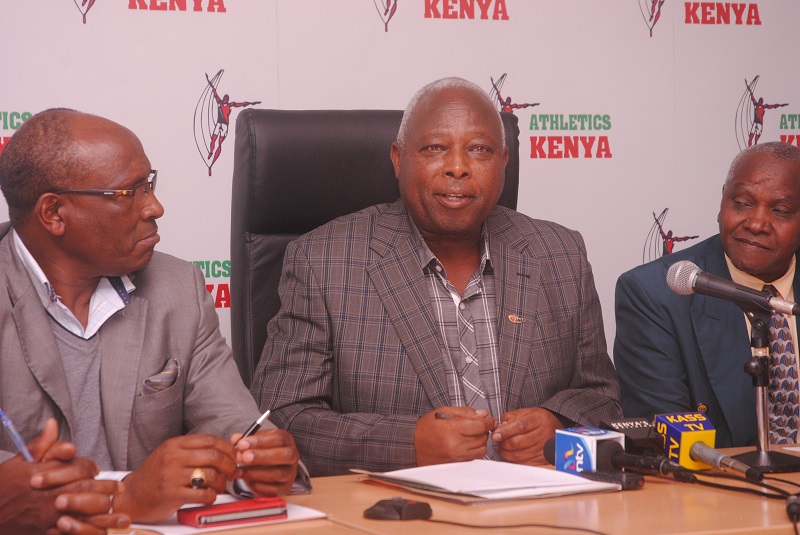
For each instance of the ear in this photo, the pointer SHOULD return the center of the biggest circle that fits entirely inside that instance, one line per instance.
(48, 212)
(395, 155)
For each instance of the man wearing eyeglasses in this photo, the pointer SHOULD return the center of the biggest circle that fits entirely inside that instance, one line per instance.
(118, 343)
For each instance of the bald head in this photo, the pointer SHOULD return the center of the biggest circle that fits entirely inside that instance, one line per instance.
(441, 85)
(46, 154)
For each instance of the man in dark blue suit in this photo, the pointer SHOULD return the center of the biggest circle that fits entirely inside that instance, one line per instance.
(677, 353)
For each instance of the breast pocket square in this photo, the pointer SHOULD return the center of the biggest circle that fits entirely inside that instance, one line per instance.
(162, 380)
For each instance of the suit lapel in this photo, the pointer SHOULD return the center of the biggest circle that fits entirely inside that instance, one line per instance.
(721, 334)
(517, 284)
(398, 279)
(121, 341)
(38, 345)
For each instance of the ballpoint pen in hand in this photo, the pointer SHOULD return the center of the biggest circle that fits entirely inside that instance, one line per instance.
(255, 427)
(18, 442)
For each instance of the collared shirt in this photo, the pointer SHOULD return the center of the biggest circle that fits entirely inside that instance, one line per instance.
(105, 301)
(784, 285)
(480, 303)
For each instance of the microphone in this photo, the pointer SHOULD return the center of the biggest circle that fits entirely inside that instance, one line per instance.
(706, 454)
(611, 456)
(680, 432)
(640, 435)
(685, 278)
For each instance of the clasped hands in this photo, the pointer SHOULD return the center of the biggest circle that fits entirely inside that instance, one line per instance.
(462, 433)
(57, 493)
(266, 461)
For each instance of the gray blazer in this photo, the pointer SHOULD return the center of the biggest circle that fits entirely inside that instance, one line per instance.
(354, 357)
(171, 316)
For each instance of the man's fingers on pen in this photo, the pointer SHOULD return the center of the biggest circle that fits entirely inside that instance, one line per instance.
(48, 436)
(60, 451)
(445, 413)
(266, 438)
(272, 456)
(270, 481)
(268, 447)
(471, 427)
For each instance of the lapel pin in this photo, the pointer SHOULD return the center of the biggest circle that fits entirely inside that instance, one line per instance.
(515, 319)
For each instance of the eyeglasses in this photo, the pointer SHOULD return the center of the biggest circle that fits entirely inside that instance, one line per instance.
(145, 188)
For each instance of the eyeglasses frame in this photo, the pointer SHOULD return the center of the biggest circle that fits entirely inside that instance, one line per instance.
(151, 182)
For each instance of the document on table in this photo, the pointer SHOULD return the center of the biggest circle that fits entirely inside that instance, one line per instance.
(481, 480)
(171, 526)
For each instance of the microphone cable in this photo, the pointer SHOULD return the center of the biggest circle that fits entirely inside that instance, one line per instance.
(792, 500)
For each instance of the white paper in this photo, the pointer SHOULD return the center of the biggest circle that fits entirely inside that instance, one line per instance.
(496, 480)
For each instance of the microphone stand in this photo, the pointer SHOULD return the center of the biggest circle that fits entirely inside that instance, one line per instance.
(757, 367)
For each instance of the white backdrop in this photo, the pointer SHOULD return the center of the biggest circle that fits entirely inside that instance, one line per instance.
(673, 106)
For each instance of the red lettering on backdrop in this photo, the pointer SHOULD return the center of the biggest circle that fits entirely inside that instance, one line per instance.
(560, 147)
(432, 9)
(790, 139)
(537, 146)
(720, 13)
(223, 299)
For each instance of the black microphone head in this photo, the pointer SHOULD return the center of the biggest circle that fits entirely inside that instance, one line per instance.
(549, 451)
(606, 449)
(681, 277)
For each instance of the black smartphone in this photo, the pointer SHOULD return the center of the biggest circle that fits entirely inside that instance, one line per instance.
(626, 480)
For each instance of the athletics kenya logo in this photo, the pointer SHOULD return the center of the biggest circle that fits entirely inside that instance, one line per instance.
(84, 6)
(386, 10)
(212, 117)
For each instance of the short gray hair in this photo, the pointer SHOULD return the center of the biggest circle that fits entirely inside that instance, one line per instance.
(776, 149)
(444, 83)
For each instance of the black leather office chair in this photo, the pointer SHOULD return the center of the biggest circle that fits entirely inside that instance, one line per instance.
(294, 171)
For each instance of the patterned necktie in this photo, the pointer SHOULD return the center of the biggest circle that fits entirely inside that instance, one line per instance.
(783, 395)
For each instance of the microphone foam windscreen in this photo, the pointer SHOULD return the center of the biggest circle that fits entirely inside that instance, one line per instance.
(605, 451)
(680, 277)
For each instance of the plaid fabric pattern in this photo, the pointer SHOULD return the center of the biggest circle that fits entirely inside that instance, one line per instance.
(469, 342)
(354, 356)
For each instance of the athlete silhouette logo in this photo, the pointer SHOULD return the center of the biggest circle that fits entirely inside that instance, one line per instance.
(84, 7)
(750, 115)
(758, 115)
(212, 117)
(505, 103)
(386, 10)
(651, 12)
(658, 242)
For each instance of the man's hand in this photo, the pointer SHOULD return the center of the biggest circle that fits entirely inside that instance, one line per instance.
(57, 493)
(162, 484)
(459, 436)
(522, 434)
(268, 461)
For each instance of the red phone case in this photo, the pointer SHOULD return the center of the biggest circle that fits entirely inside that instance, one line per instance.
(238, 512)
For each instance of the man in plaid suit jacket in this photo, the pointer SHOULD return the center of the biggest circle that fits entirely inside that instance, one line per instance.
(365, 362)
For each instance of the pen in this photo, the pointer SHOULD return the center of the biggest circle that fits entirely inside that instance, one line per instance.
(442, 416)
(18, 442)
(255, 427)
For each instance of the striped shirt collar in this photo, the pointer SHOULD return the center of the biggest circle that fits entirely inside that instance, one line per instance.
(426, 256)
